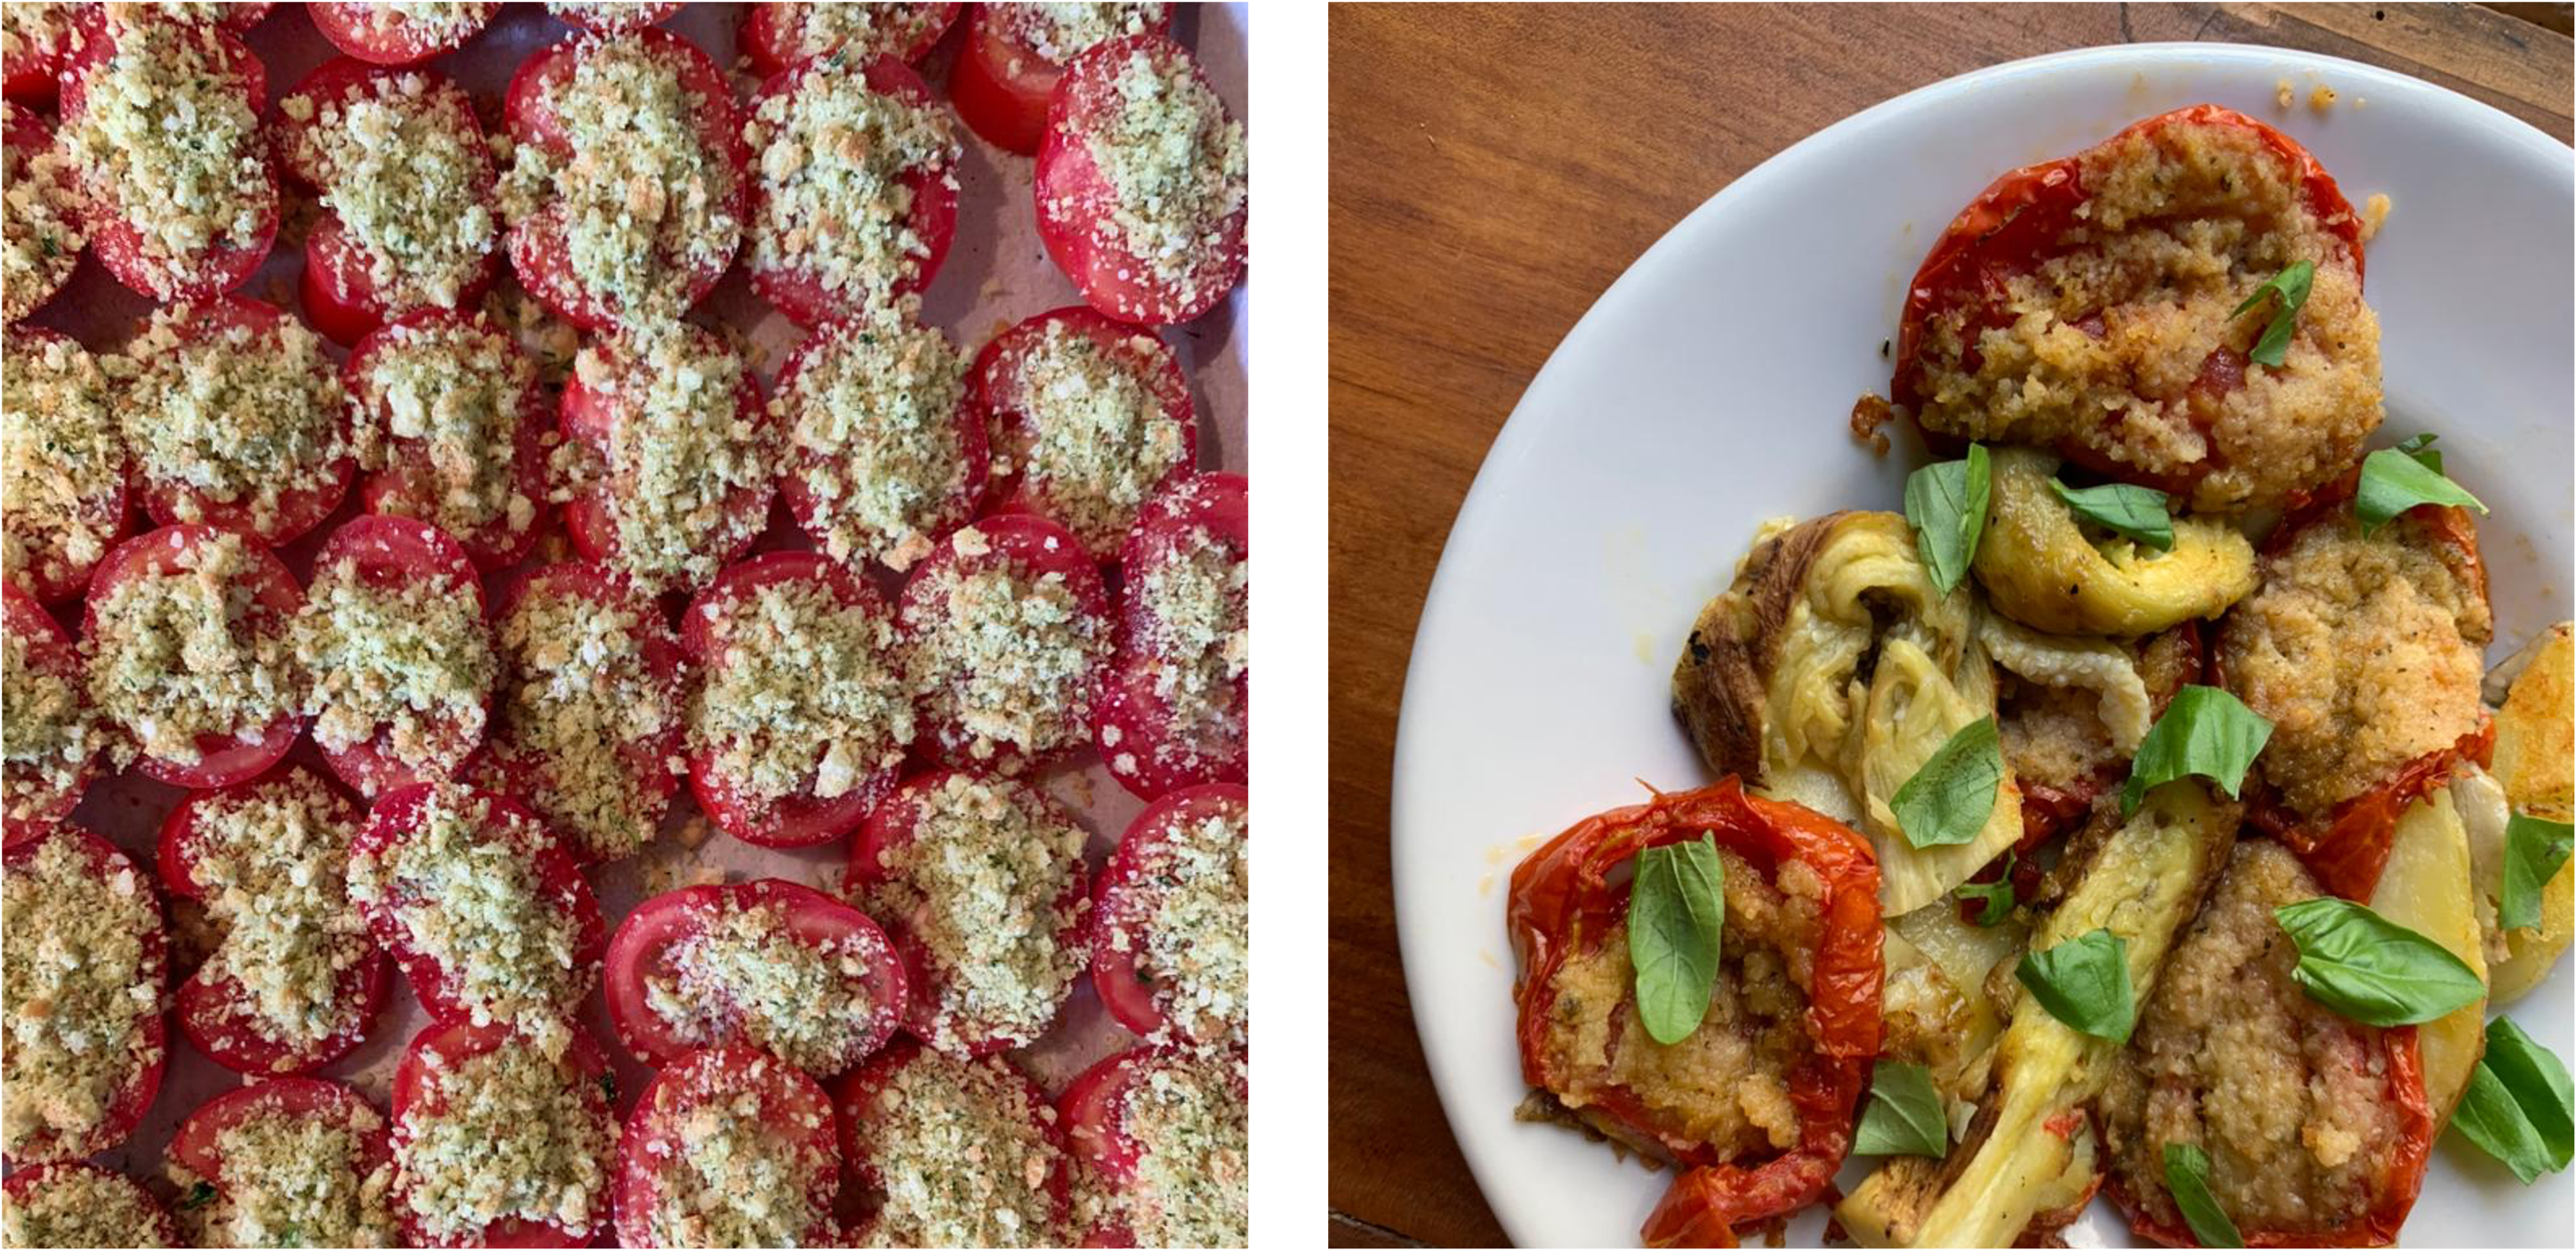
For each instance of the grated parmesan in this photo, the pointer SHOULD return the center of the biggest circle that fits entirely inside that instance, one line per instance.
(80, 981)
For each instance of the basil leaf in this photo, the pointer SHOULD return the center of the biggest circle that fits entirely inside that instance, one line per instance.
(2135, 512)
(1946, 503)
(2536, 1080)
(2204, 731)
(1676, 912)
(2291, 285)
(2187, 1177)
(1949, 799)
(2489, 1117)
(2371, 969)
(2534, 848)
(2393, 482)
(199, 1196)
(1994, 899)
(2420, 446)
(1904, 1116)
(2084, 982)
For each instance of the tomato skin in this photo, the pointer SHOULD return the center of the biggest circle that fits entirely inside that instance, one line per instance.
(112, 236)
(29, 136)
(1000, 84)
(638, 952)
(773, 35)
(1133, 725)
(891, 827)
(49, 648)
(391, 552)
(996, 386)
(297, 511)
(1127, 894)
(590, 415)
(207, 1008)
(160, 1232)
(536, 244)
(196, 1143)
(1092, 1113)
(222, 761)
(973, 450)
(1561, 899)
(398, 813)
(857, 1092)
(798, 293)
(633, 19)
(787, 1100)
(1075, 199)
(800, 820)
(1037, 547)
(350, 28)
(133, 1097)
(30, 75)
(440, 1046)
(408, 485)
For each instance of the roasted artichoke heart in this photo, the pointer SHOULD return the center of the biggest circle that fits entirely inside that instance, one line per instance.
(2039, 568)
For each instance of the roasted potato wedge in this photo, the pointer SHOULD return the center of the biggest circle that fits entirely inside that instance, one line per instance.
(2535, 761)
(2426, 889)
(2039, 567)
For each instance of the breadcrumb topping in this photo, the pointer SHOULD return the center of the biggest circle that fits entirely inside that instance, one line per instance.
(1176, 163)
(43, 235)
(864, 30)
(293, 1180)
(168, 140)
(1098, 438)
(190, 652)
(431, 21)
(467, 895)
(682, 447)
(936, 1111)
(81, 1206)
(1197, 949)
(803, 696)
(233, 412)
(406, 175)
(1197, 640)
(66, 458)
(271, 862)
(1006, 660)
(745, 971)
(79, 987)
(831, 154)
(51, 733)
(737, 1180)
(503, 1134)
(1060, 30)
(1192, 1185)
(453, 393)
(984, 888)
(410, 661)
(33, 28)
(873, 410)
(576, 695)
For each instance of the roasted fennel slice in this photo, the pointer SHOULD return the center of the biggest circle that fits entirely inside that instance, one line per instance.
(2535, 763)
(2029, 1151)
(2040, 568)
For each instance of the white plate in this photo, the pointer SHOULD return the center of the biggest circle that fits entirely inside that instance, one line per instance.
(1707, 391)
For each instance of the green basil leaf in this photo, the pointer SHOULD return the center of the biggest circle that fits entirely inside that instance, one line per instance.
(1904, 1116)
(2534, 848)
(2393, 482)
(2084, 982)
(2371, 969)
(2204, 731)
(1949, 799)
(2420, 446)
(199, 1196)
(2291, 286)
(2537, 1081)
(2187, 1177)
(2135, 512)
(2488, 1117)
(1994, 899)
(1946, 503)
(1676, 913)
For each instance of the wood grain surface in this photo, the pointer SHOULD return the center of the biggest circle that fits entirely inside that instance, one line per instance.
(1493, 169)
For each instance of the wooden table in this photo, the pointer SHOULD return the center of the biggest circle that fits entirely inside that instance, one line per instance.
(1493, 169)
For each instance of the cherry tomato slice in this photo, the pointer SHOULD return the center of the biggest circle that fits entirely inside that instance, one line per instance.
(385, 36)
(26, 1186)
(417, 1099)
(1000, 387)
(222, 759)
(775, 36)
(412, 484)
(391, 553)
(1131, 889)
(51, 576)
(641, 952)
(1032, 547)
(34, 804)
(1141, 734)
(133, 1096)
(798, 292)
(726, 1083)
(299, 509)
(1001, 83)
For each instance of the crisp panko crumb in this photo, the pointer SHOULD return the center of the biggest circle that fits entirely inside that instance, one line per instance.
(726, 1175)
(52, 735)
(743, 971)
(191, 652)
(448, 398)
(987, 886)
(864, 30)
(1059, 31)
(293, 1179)
(1096, 435)
(1175, 160)
(407, 666)
(236, 413)
(682, 454)
(270, 862)
(1003, 661)
(80, 978)
(935, 1111)
(577, 698)
(505, 1134)
(803, 695)
(168, 141)
(831, 156)
(402, 163)
(66, 459)
(465, 892)
(39, 223)
(1196, 642)
(82, 1206)
(872, 418)
(1186, 1114)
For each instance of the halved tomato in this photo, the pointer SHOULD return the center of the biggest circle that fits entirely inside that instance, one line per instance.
(1079, 208)
(393, 554)
(1094, 1113)
(399, 816)
(339, 288)
(274, 598)
(31, 57)
(107, 217)
(775, 36)
(39, 792)
(418, 1102)
(1001, 82)
(610, 16)
(797, 291)
(994, 1092)
(876, 857)
(1014, 405)
(52, 194)
(197, 1146)
(956, 694)
(28, 1190)
(710, 1095)
(419, 478)
(538, 251)
(652, 942)
(217, 1013)
(590, 414)
(871, 446)
(1142, 870)
(298, 509)
(386, 35)
(803, 818)
(36, 1142)
(92, 460)
(1171, 715)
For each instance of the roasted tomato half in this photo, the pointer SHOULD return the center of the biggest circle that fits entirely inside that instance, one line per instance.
(886, 449)
(282, 454)
(299, 1120)
(54, 737)
(474, 458)
(742, 1116)
(863, 220)
(1089, 417)
(135, 614)
(1022, 576)
(1795, 1016)
(765, 963)
(775, 36)
(908, 1099)
(88, 978)
(678, 486)
(1186, 847)
(465, 1095)
(1152, 1113)
(74, 1204)
(387, 35)
(67, 507)
(1016, 53)
(388, 721)
(1176, 711)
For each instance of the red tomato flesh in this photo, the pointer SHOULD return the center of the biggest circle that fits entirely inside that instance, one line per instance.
(643, 950)
(1136, 726)
(385, 36)
(36, 809)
